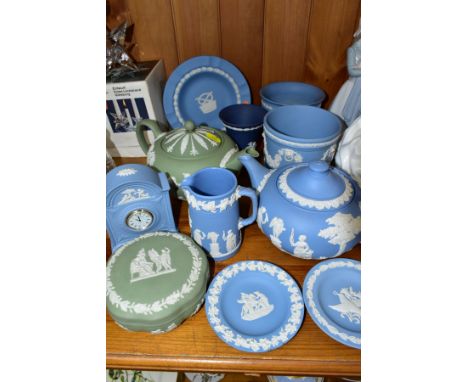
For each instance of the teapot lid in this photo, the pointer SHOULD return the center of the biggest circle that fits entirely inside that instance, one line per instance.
(316, 186)
(191, 141)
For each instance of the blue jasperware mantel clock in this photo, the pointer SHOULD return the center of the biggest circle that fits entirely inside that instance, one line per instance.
(137, 202)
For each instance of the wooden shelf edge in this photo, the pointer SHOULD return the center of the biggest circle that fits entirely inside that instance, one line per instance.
(234, 365)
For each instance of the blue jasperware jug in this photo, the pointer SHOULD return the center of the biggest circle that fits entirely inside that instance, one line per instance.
(212, 195)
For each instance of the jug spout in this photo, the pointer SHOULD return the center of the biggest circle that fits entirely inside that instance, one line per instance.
(234, 164)
(257, 172)
(186, 184)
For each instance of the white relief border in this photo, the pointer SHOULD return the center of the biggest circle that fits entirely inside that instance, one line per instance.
(313, 203)
(193, 72)
(309, 285)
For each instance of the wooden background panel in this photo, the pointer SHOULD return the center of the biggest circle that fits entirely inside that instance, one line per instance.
(331, 28)
(197, 27)
(285, 40)
(154, 31)
(269, 40)
(242, 39)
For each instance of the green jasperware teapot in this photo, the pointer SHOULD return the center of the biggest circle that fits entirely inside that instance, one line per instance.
(181, 152)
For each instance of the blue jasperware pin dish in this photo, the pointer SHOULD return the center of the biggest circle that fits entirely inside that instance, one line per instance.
(254, 306)
(332, 295)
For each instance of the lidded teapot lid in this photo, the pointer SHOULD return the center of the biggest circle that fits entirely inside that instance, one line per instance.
(315, 186)
(191, 141)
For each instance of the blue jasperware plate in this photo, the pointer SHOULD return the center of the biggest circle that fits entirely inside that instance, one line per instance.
(254, 306)
(332, 295)
(199, 88)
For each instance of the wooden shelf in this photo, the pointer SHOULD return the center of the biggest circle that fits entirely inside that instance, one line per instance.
(194, 346)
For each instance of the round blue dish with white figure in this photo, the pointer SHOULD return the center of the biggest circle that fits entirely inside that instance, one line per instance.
(200, 87)
(332, 295)
(254, 306)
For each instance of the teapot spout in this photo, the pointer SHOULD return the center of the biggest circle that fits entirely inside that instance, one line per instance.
(234, 164)
(257, 172)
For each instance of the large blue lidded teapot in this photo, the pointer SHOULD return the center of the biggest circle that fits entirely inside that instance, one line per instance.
(309, 210)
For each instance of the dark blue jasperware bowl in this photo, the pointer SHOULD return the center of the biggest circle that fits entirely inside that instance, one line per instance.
(243, 123)
(299, 133)
(279, 94)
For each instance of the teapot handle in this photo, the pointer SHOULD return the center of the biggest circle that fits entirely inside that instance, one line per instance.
(153, 126)
(250, 193)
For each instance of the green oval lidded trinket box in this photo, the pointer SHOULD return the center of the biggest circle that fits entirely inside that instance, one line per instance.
(156, 281)
(182, 152)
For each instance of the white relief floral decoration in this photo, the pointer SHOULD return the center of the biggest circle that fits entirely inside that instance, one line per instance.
(127, 171)
(211, 206)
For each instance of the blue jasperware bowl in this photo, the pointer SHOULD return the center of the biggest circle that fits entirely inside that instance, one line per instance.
(279, 94)
(298, 133)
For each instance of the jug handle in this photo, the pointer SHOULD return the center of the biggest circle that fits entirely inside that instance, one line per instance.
(250, 193)
(153, 126)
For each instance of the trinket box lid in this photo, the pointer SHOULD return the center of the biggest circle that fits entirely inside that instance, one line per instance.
(191, 142)
(316, 186)
(152, 279)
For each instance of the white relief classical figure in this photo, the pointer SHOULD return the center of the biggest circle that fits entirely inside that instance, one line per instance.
(230, 239)
(140, 267)
(277, 226)
(350, 304)
(156, 259)
(166, 259)
(301, 247)
(198, 236)
(262, 216)
(131, 194)
(255, 306)
(214, 246)
(343, 228)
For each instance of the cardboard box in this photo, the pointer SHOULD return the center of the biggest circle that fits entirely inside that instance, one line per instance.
(129, 100)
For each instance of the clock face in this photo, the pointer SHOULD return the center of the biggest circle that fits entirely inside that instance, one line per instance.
(139, 220)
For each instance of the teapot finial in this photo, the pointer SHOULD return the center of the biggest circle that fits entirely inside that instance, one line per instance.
(319, 166)
(189, 126)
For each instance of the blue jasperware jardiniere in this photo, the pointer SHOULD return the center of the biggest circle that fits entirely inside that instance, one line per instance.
(295, 134)
(309, 210)
(285, 93)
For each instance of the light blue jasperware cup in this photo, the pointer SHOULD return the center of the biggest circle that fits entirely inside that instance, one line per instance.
(299, 133)
(215, 223)
(284, 93)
